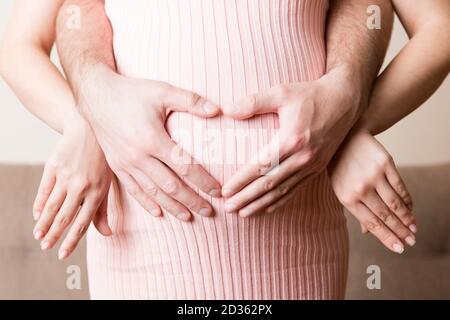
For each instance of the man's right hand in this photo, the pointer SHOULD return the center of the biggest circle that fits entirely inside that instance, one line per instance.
(128, 117)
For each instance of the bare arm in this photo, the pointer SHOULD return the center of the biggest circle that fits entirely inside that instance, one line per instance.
(418, 70)
(25, 63)
(146, 167)
(82, 50)
(353, 47)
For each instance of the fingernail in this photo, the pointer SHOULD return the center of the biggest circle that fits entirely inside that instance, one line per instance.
(410, 241)
(63, 254)
(205, 212)
(229, 207)
(210, 108)
(398, 248)
(38, 235)
(45, 245)
(226, 192)
(215, 193)
(413, 228)
(244, 213)
(184, 216)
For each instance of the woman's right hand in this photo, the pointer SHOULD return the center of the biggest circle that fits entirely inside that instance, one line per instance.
(128, 117)
(367, 183)
(73, 189)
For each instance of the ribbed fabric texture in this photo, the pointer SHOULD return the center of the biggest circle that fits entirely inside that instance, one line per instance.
(223, 50)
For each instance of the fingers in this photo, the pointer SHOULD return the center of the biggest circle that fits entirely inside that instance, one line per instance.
(272, 196)
(291, 167)
(172, 187)
(266, 159)
(291, 193)
(61, 220)
(176, 158)
(52, 206)
(143, 198)
(391, 198)
(396, 181)
(100, 219)
(45, 189)
(78, 228)
(264, 102)
(375, 204)
(177, 99)
(377, 227)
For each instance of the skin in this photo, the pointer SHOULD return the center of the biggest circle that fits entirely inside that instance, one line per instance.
(33, 44)
(145, 167)
(363, 174)
(76, 177)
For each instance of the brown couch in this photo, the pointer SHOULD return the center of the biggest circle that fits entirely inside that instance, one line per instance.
(421, 272)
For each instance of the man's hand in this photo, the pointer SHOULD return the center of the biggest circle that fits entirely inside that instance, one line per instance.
(128, 117)
(314, 120)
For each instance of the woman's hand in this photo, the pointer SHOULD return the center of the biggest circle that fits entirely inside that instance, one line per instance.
(128, 117)
(73, 190)
(367, 183)
(314, 119)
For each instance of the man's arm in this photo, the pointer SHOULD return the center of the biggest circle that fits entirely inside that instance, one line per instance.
(83, 49)
(134, 139)
(355, 50)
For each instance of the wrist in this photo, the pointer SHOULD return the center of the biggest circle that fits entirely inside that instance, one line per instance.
(93, 85)
(74, 123)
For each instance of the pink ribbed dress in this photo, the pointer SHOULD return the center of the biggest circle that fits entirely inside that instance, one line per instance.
(223, 50)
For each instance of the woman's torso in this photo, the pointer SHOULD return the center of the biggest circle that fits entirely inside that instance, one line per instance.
(225, 50)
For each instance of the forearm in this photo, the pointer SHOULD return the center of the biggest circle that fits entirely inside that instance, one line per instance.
(80, 50)
(37, 82)
(411, 78)
(354, 49)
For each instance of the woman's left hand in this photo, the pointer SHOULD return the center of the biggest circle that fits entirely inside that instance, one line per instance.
(366, 181)
(314, 119)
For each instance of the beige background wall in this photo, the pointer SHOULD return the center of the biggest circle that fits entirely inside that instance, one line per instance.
(423, 137)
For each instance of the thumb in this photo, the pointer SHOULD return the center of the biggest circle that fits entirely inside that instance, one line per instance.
(177, 99)
(267, 101)
(100, 219)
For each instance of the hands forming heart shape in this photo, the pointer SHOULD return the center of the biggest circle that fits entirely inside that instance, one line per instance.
(315, 118)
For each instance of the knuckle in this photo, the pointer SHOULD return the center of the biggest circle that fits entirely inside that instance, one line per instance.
(135, 156)
(52, 207)
(193, 99)
(61, 221)
(295, 142)
(184, 170)
(171, 187)
(361, 189)
(387, 160)
(373, 225)
(80, 184)
(394, 204)
(250, 102)
(268, 184)
(134, 190)
(81, 228)
(384, 216)
(150, 190)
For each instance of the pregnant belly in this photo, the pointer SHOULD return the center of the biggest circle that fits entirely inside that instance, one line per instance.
(221, 144)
